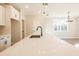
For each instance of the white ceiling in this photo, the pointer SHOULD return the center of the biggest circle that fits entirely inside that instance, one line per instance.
(32, 9)
(54, 9)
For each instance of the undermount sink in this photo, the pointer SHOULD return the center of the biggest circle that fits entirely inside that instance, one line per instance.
(35, 36)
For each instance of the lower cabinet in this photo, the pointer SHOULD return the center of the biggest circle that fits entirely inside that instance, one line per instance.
(5, 42)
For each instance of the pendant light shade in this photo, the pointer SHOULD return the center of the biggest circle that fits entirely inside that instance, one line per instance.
(69, 18)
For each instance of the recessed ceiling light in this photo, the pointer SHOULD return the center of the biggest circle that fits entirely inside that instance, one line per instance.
(26, 6)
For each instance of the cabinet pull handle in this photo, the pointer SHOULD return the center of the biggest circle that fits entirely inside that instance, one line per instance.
(5, 42)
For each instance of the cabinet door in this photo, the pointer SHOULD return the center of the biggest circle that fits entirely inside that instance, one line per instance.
(2, 15)
(14, 13)
(22, 17)
(17, 15)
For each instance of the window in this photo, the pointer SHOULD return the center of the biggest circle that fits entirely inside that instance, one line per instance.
(60, 24)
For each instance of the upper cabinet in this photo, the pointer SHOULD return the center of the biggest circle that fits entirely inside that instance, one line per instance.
(14, 13)
(22, 16)
(2, 15)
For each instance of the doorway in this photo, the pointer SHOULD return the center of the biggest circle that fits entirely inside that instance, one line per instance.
(23, 29)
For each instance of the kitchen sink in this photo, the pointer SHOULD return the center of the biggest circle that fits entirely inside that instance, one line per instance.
(35, 36)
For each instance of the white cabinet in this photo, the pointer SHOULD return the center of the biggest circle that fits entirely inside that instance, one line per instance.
(22, 17)
(5, 41)
(2, 15)
(14, 13)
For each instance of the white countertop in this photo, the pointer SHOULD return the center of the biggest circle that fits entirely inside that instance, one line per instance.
(46, 45)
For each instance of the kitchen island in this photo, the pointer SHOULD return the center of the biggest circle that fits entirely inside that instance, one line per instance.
(47, 45)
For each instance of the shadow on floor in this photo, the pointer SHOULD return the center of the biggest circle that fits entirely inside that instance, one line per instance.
(72, 41)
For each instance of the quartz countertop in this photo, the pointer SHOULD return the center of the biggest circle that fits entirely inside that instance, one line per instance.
(46, 45)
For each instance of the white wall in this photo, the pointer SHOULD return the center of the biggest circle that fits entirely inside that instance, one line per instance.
(71, 32)
(77, 25)
(47, 24)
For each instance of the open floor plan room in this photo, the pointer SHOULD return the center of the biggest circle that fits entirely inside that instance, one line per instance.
(39, 29)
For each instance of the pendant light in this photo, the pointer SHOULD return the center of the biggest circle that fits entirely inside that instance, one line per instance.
(44, 11)
(69, 19)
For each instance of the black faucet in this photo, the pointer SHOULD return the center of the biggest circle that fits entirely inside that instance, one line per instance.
(40, 28)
